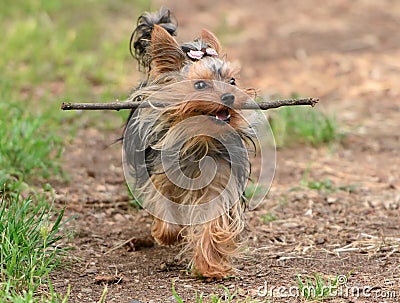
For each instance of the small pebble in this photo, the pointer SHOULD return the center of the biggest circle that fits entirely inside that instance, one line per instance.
(331, 200)
(119, 218)
(91, 271)
(163, 267)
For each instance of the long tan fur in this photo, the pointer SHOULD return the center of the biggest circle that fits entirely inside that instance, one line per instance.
(213, 243)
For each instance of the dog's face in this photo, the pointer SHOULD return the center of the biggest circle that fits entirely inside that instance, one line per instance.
(202, 83)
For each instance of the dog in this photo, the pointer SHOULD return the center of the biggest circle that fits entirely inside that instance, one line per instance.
(188, 162)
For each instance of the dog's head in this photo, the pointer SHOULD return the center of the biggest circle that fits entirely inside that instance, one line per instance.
(197, 79)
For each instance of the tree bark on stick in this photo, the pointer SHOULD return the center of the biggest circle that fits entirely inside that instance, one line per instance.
(118, 105)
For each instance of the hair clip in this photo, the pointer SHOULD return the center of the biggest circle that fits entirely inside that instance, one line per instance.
(197, 55)
(211, 52)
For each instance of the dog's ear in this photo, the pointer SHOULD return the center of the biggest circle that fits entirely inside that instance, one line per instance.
(166, 54)
(211, 40)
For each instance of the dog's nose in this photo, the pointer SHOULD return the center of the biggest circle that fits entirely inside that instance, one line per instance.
(228, 99)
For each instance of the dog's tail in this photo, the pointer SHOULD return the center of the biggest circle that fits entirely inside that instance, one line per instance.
(141, 36)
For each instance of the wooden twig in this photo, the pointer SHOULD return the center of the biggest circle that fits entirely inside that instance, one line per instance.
(133, 104)
(279, 103)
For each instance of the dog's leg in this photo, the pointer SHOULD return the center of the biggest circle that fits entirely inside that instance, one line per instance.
(215, 242)
(165, 233)
(212, 250)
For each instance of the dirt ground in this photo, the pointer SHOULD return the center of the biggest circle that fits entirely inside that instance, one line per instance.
(347, 53)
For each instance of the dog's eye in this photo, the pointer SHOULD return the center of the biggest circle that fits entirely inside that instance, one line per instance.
(232, 81)
(199, 85)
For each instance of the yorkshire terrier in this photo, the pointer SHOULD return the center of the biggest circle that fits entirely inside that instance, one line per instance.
(187, 161)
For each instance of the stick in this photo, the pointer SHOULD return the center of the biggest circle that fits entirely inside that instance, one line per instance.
(279, 103)
(133, 104)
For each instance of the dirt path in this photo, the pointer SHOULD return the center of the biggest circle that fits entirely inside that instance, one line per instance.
(345, 52)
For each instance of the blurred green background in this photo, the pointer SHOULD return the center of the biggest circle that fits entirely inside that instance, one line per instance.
(54, 51)
(51, 51)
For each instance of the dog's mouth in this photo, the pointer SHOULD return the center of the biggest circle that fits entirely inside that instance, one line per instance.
(222, 115)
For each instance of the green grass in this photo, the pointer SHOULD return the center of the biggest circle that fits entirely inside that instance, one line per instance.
(303, 125)
(28, 150)
(319, 288)
(324, 185)
(254, 190)
(226, 297)
(327, 185)
(267, 218)
(51, 51)
(29, 250)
